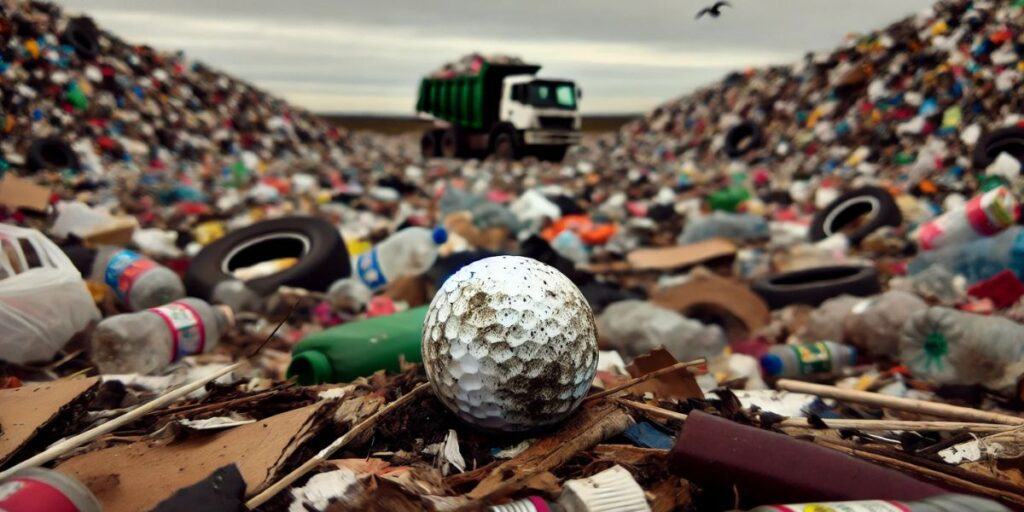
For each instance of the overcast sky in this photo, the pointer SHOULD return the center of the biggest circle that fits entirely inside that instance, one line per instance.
(367, 56)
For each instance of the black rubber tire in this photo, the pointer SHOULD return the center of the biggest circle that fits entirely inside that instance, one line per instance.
(737, 134)
(430, 146)
(452, 144)
(813, 286)
(324, 261)
(876, 202)
(553, 154)
(1009, 140)
(82, 35)
(51, 154)
(505, 143)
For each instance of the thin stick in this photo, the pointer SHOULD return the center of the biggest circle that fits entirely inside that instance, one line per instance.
(89, 435)
(843, 424)
(321, 457)
(900, 404)
(646, 377)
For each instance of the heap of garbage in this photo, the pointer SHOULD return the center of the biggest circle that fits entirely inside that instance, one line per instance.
(799, 285)
(471, 64)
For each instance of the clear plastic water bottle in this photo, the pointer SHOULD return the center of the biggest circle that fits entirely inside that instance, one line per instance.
(236, 295)
(138, 282)
(980, 259)
(948, 346)
(149, 340)
(984, 215)
(798, 360)
(409, 252)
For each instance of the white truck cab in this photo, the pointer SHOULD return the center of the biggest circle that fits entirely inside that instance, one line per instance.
(545, 110)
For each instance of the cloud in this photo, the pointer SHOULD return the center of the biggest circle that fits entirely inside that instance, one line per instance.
(356, 56)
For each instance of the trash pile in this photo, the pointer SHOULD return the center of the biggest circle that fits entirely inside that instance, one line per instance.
(471, 64)
(797, 286)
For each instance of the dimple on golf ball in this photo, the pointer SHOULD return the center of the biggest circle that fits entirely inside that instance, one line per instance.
(509, 344)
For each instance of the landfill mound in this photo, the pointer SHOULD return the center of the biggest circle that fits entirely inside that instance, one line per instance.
(909, 102)
(77, 98)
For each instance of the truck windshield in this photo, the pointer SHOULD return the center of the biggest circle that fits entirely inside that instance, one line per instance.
(553, 95)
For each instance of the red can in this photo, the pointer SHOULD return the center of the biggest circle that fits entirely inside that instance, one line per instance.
(45, 490)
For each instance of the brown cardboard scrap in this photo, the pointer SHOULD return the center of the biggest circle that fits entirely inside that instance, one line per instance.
(26, 410)
(740, 310)
(138, 476)
(118, 233)
(678, 384)
(18, 193)
(670, 258)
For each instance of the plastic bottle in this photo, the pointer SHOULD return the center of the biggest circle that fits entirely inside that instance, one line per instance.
(984, 215)
(409, 252)
(357, 349)
(874, 324)
(146, 341)
(137, 281)
(941, 503)
(635, 327)
(236, 295)
(39, 489)
(979, 259)
(797, 360)
(948, 346)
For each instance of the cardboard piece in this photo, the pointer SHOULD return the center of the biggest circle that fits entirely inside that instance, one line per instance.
(18, 193)
(682, 256)
(26, 410)
(118, 233)
(741, 310)
(140, 475)
(679, 384)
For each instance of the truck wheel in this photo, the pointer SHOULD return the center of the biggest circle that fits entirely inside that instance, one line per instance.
(505, 144)
(552, 153)
(429, 145)
(452, 144)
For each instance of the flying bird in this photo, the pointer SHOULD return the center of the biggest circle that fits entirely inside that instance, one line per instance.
(714, 11)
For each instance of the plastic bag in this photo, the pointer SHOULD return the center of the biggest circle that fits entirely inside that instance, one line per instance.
(43, 300)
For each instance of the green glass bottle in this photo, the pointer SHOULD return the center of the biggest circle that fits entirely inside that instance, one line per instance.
(358, 349)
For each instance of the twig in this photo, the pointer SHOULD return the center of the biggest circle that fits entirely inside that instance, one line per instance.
(89, 435)
(900, 404)
(643, 378)
(843, 424)
(321, 457)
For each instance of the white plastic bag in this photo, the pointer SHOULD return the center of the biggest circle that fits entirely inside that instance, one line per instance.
(43, 300)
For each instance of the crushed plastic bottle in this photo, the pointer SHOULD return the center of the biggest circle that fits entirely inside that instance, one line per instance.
(799, 360)
(948, 346)
(635, 327)
(984, 215)
(137, 281)
(146, 341)
(979, 259)
(411, 251)
(874, 323)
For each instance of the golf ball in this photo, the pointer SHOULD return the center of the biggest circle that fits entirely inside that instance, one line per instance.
(509, 344)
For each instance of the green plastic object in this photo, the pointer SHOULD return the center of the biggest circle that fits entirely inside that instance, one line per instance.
(728, 199)
(358, 349)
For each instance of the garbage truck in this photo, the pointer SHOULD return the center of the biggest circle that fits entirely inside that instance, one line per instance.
(503, 109)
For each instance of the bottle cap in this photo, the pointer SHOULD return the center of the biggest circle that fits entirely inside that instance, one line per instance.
(311, 367)
(610, 490)
(440, 236)
(771, 364)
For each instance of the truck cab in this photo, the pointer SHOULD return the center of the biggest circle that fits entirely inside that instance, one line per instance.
(502, 109)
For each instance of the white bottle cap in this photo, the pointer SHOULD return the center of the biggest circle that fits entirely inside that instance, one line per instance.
(612, 490)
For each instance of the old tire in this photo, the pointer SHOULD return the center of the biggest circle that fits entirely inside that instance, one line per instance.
(505, 143)
(430, 146)
(742, 138)
(82, 36)
(323, 258)
(51, 154)
(813, 286)
(1004, 140)
(874, 202)
(452, 144)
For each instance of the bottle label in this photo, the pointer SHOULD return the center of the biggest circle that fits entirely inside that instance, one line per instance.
(368, 268)
(25, 493)
(991, 212)
(187, 330)
(124, 269)
(813, 357)
(850, 506)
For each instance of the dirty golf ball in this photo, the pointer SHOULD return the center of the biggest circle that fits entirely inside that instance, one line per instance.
(509, 344)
